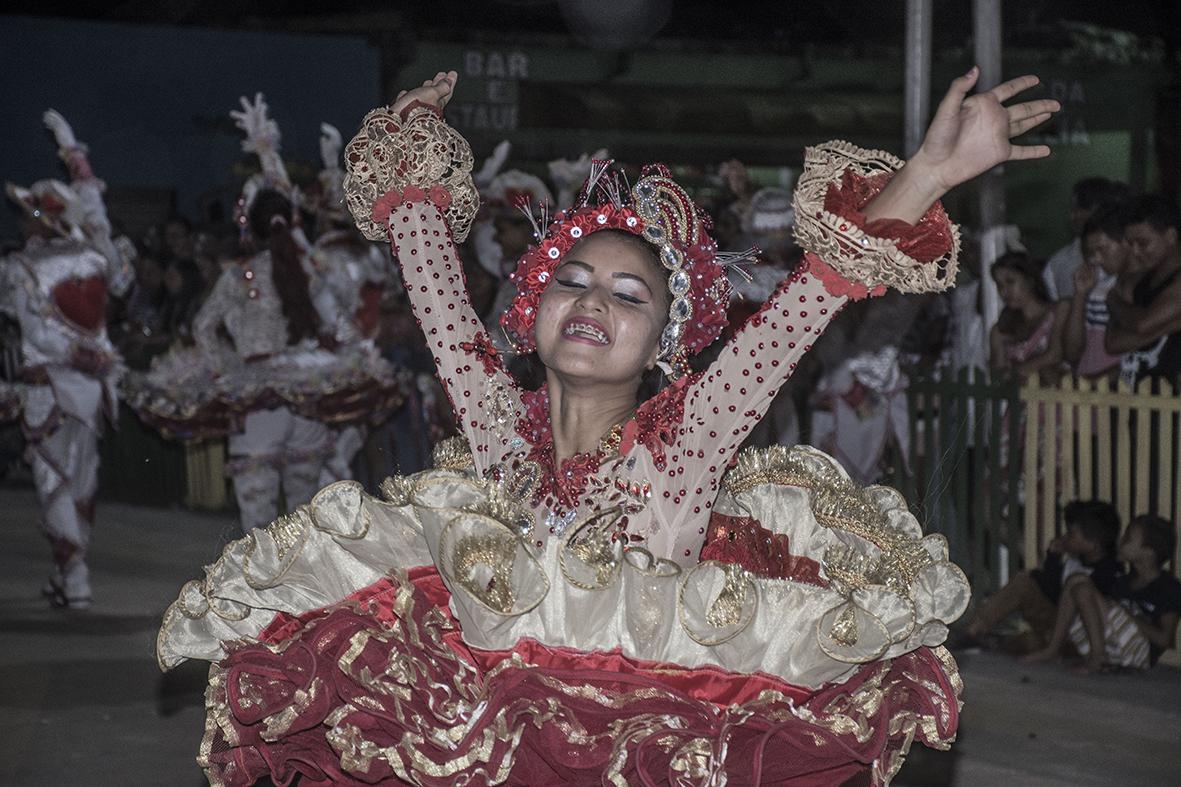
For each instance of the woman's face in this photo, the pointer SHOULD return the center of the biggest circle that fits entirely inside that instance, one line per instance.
(602, 313)
(1013, 288)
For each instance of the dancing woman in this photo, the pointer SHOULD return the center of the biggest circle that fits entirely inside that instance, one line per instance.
(276, 388)
(589, 595)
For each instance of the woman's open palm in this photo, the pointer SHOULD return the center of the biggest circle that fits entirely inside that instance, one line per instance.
(972, 134)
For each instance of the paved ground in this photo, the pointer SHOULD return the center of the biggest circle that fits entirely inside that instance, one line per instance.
(82, 703)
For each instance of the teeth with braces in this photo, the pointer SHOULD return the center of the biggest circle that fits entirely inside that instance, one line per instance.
(587, 330)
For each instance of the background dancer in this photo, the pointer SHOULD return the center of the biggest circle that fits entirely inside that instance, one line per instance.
(56, 288)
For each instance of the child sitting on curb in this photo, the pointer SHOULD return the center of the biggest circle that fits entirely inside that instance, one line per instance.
(1129, 626)
(1087, 548)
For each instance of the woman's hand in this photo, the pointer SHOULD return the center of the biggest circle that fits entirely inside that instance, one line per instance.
(972, 134)
(62, 133)
(435, 92)
(969, 136)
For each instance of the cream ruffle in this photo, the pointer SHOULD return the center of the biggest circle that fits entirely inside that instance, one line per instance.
(855, 254)
(890, 588)
(416, 148)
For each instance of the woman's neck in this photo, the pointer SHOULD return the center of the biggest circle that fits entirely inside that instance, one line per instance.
(581, 415)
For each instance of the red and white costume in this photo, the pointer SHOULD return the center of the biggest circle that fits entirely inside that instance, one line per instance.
(57, 292)
(275, 400)
(638, 614)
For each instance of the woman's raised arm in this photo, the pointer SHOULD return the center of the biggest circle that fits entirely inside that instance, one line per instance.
(409, 182)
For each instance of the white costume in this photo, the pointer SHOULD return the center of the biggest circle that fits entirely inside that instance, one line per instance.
(349, 278)
(57, 291)
(274, 399)
(866, 410)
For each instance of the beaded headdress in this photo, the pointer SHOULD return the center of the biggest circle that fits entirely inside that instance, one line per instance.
(658, 210)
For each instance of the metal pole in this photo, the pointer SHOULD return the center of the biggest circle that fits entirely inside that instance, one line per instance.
(917, 99)
(986, 25)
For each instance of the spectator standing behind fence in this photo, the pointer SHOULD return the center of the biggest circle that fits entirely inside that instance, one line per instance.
(1105, 259)
(1027, 337)
(1086, 195)
(1130, 625)
(1087, 548)
(1146, 310)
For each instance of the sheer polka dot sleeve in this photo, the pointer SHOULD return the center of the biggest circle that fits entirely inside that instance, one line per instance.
(482, 395)
(731, 397)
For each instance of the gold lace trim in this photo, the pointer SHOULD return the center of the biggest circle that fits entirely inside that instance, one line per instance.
(844, 246)
(421, 150)
(452, 454)
(838, 503)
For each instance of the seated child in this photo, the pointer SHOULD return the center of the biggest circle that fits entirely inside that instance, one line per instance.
(1087, 547)
(1136, 620)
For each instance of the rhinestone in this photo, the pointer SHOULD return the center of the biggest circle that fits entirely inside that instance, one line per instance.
(554, 253)
(631, 221)
(654, 232)
(671, 335)
(681, 310)
(543, 277)
(645, 190)
(248, 275)
(670, 257)
(601, 218)
(678, 283)
(576, 232)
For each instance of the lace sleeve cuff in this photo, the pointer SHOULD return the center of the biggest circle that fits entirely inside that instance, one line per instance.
(839, 179)
(397, 156)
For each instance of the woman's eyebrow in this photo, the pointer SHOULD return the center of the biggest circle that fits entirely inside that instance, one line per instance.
(620, 275)
(640, 279)
(585, 266)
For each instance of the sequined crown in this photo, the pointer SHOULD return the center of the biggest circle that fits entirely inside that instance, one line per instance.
(658, 210)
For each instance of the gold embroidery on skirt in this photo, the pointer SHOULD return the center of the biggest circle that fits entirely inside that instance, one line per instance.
(726, 609)
(495, 552)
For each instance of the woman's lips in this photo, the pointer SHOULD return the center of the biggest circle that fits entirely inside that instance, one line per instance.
(587, 331)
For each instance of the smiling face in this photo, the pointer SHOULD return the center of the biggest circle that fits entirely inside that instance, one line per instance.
(1150, 247)
(602, 312)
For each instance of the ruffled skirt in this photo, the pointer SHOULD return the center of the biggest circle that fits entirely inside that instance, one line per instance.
(188, 396)
(382, 690)
(417, 640)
